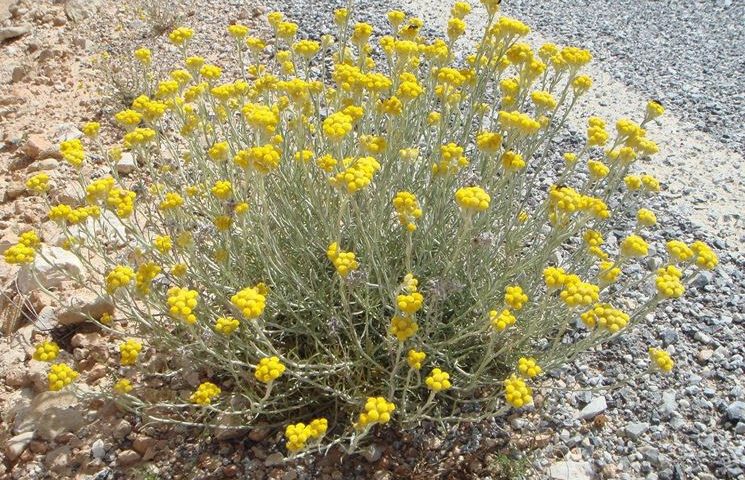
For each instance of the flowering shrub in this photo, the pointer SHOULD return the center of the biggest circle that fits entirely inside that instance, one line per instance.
(333, 246)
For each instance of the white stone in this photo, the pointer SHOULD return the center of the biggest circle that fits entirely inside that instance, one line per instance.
(127, 164)
(636, 430)
(67, 131)
(16, 445)
(570, 470)
(52, 266)
(82, 305)
(98, 450)
(596, 406)
(13, 32)
(77, 10)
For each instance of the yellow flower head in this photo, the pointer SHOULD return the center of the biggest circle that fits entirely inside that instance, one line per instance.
(415, 359)
(410, 303)
(226, 325)
(634, 246)
(205, 393)
(376, 410)
(529, 367)
(705, 256)
(668, 282)
(514, 297)
(661, 359)
(181, 304)
(123, 386)
(501, 320)
(129, 351)
(60, 375)
(250, 301)
(269, 369)
(438, 380)
(180, 35)
(46, 351)
(516, 392)
(679, 251)
(604, 316)
(38, 183)
(403, 328)
(472, 199)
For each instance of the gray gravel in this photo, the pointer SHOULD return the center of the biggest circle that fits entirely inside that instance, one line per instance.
(690, 55)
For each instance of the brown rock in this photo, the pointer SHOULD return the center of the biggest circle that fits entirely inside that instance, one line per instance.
(142, 443)
(230, 471)
(90, 340)
(58, 459)
(38, 447)
(37, 146)
(127, 458)
(96, 373)
(121, 429)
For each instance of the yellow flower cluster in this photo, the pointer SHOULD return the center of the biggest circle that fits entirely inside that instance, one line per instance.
(578, 293)
(205, 393)
(679, 251)
(646, 217)
(604, 316)
(146, 273)
(337, 125)
(408, 209)
(19, 254)
(438, 380)
(262, 159)
(119, 276)
(182, 302)
(60, 375)
(376, 410)
(528, 367)
(516, 392)
(634, 246)
(501, 320)
(123, 386)
(518, 122)
(344, 262)
(705, 256)
(415, 359)
(251, 301)
(180, 35)
(472, 199)
(661, 359)
(410, 303)
(298, 434)
(226, 325)
(129, 351)
(357, 175)
(46, 351)
(269, 369)
(38, 183)
(171, 201)
(222, 189)
(72, 151)
(451, 159)
(514, 297)
(122, 201)
(668, 282)
(554, 277)
(608, 272)
(512, 161)
(403, 327)
(139, 137)
(489, 142)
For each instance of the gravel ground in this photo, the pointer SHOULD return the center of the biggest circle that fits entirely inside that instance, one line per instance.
(689, 55)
